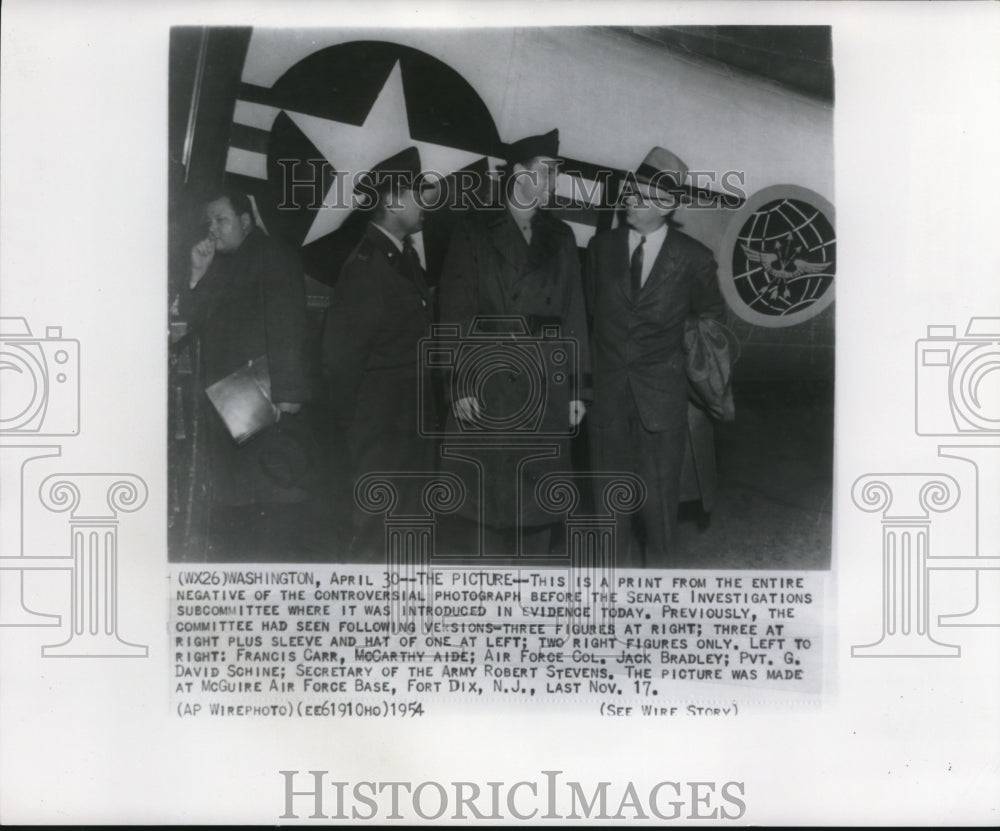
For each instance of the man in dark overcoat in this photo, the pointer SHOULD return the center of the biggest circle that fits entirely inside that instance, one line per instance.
(648, 280)
(520, 263)
(245, 299)
(381, 308)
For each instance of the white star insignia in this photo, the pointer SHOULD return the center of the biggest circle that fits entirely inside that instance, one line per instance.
(351, 149)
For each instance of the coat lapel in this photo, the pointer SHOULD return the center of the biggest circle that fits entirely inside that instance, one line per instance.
(507, 241)
(665, 265)
(388, 249)
(617, 264)
(395, 259)
(510, 254)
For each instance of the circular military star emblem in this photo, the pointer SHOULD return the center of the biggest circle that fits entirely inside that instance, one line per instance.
(297, 145)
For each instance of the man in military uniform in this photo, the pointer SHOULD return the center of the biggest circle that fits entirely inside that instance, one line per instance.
(381, 308)
(521, 263)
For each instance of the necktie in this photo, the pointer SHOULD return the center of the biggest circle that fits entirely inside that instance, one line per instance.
(412, 259)
(635, 267)
(413, 267)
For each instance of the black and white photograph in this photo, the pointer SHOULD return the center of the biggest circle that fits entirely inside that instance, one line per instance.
(543, 276)
(464, 411)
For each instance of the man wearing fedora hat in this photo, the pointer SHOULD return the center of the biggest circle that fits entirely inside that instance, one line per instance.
(646, 281)
(381, 308)
(518, 265)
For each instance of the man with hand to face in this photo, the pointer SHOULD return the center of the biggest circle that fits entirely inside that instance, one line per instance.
(646, 281)
(245, 299)
(229, 226)
(381, 308)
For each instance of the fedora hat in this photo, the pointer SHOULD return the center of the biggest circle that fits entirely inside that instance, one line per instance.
(666, 172)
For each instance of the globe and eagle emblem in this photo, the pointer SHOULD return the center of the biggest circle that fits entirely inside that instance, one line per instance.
(784, 257)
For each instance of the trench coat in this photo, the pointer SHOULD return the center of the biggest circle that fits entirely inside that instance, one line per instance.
(490, 272)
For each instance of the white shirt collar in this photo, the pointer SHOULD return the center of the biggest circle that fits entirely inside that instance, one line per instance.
(652, 238)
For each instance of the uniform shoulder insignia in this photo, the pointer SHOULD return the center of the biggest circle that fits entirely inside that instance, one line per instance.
(364, 250)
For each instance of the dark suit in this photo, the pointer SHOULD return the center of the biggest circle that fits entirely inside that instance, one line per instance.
(379, 312)
(491, 270)
(639, 415)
